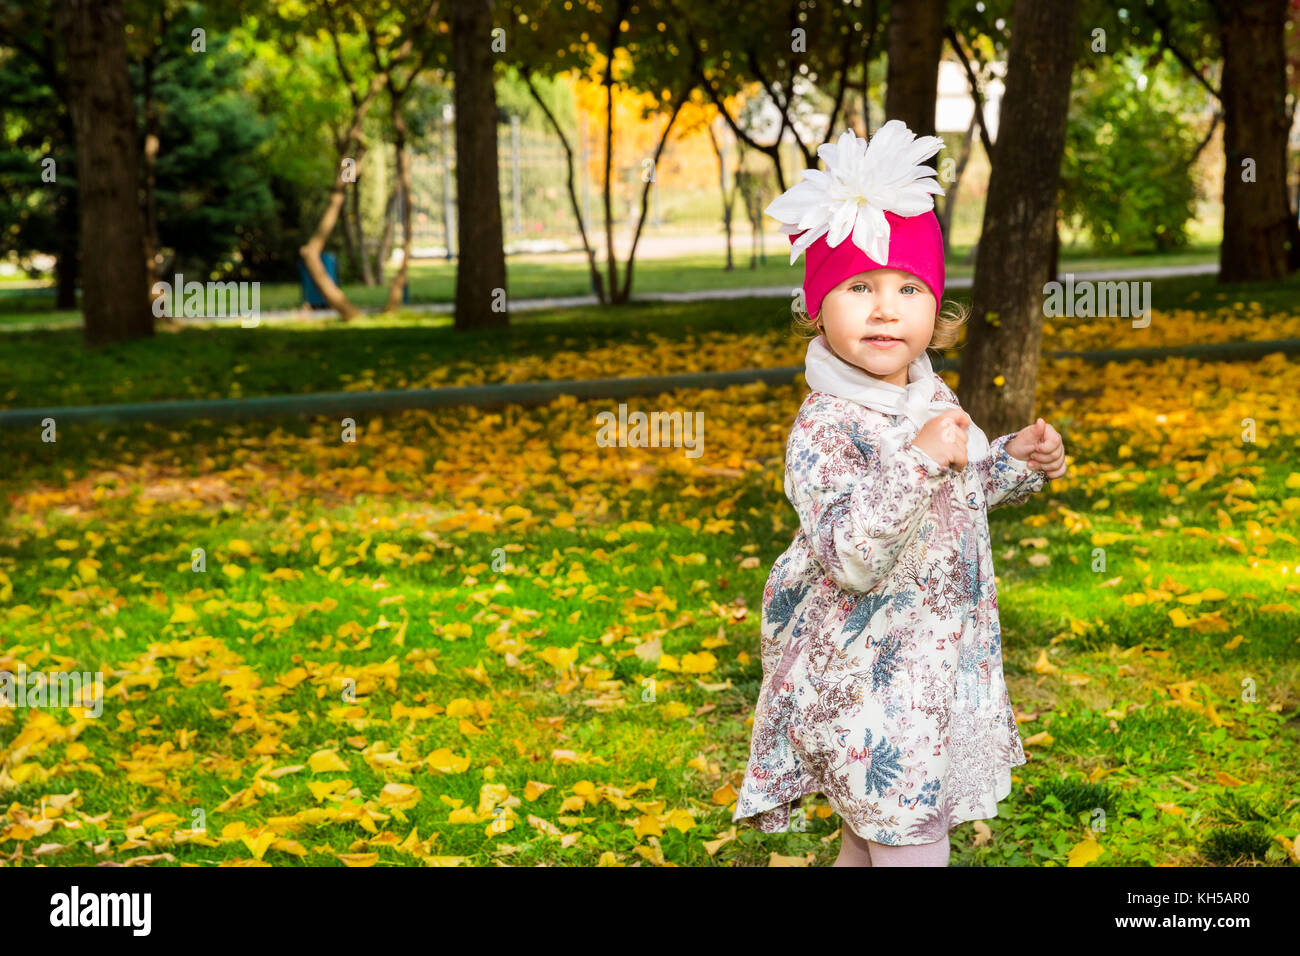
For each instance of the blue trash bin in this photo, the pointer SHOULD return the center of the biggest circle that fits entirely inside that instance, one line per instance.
(310, 292)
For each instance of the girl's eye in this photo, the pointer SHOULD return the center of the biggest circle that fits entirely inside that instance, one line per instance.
(912, 287)
(857, 285)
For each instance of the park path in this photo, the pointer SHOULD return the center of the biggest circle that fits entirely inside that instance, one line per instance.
(286, 316)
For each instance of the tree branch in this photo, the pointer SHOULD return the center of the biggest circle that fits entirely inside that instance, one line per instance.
(954, 40)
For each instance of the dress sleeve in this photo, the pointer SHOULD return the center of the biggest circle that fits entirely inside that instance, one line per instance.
(860, 498)
(1007, 480)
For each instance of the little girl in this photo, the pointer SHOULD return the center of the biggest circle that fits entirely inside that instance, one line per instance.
(881, 648)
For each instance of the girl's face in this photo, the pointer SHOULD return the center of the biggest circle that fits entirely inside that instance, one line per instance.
(882, 302)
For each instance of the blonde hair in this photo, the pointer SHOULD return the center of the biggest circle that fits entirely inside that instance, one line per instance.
(947, 323)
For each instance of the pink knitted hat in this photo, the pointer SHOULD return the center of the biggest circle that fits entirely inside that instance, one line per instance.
(877, 193)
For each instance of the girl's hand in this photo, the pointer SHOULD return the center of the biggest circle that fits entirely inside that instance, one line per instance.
(1040, 444)
(943, 438)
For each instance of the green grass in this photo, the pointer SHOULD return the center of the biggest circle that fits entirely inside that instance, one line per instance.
(534, 276)
(138, 499)
(52, 367)
(302, 485)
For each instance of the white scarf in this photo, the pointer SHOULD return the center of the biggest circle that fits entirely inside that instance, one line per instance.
(827, 372)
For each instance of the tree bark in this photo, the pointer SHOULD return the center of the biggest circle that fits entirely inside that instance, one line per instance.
(622, 295)
(915, 46)
(404, 187)
(1256, 213)
(1005, 331)
(361, 263)
(728, 198)
(152, 141)
(950, 193)
(481, 266)
(611, 263)
(350, 148)
(115, 297)
(597, 280)
(65, 268)
(386, 236)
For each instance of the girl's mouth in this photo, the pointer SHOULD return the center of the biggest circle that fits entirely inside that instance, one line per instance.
(882, 341)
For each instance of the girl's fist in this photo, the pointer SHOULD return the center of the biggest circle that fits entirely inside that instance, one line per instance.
(1039, 444)
(943, 438)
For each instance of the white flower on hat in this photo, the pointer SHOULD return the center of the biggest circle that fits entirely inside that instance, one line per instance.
(862, 181)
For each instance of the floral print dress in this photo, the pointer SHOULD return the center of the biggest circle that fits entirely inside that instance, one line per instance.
(881, 649)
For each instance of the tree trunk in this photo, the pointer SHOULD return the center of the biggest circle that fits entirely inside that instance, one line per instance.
(115, 299)
(357, 246)
(728, 199)
(481, 266)
(1054, 260)
(1019, 220)
(386, 236)
(950, 193)
(915, 46)
(404, 187)
(622, 295)
(1255, 205)
(65, 268)
(152, 140)
(350, 148)
(444, 149)
(597, 281)
(611, 263)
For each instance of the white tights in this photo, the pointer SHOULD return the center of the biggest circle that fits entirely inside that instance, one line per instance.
(855, 851)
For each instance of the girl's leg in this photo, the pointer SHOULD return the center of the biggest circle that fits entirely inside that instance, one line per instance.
(854, 851)
(924, 854)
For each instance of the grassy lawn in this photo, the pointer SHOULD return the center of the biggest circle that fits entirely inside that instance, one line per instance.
(420, 350)
(479, 637)
(538, 276)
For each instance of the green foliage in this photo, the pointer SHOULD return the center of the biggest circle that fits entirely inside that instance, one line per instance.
(1126, 175)
(1234, 844)
(34, 127)
(211, 184)
(1078, 796)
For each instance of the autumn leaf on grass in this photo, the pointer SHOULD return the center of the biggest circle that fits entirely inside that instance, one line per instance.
(711, 847)
(443, 760)
(725, 795)
(1043, 665)
(647, 825)
(561, 658)
(324, 761)
(259, 844)
(533, 789)
(399, 795)
(650, 650)
(681, 819)
(1084, 853)
(183, 614)
(328, 789)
